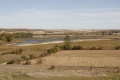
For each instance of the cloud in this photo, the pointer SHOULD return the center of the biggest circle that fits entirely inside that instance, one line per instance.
(34, 17)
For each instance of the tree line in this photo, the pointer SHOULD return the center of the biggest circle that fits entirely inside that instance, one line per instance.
(7, 37)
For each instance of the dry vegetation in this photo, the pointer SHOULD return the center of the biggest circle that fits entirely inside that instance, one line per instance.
(67, 65)
(39, 49)
(94, 58)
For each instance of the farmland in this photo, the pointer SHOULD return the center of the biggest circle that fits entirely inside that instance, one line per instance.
(82, 64)
(95, 58)
(73, 65)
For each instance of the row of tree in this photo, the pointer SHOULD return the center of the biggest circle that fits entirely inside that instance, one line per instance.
(7, 37)
(23, 35)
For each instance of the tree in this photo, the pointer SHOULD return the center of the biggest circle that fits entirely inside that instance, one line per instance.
(7, 37)
(67, 43)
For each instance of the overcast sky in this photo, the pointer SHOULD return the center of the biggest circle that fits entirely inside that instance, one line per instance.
(60, 14)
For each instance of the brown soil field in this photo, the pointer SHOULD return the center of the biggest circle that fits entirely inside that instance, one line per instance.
(79, 58)
(75, 65)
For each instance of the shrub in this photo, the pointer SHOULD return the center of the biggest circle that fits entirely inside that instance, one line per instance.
(17, 51)
(76, 48)
(24, 57)
(100, 48)
(117, 47)
(14, 62)
(10, 62)
(21, 51)
(52, 67)
(52, 50)
(27, 63)
(31, 56)
(39, 62)
(4, 53)
(93, 48)
(66, 47)
(57, 47)
(44, 54)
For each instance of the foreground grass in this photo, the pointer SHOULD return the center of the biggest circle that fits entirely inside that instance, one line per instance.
(110, 77)
(22, 77)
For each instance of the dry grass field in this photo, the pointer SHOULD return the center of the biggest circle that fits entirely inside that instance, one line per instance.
(39, 49)
(69, 65)
(90, 58)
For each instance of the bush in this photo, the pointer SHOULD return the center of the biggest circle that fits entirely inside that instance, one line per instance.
(21, 51)
(39, 62)
(10, 62)
(66, 47)
(76, 48)
(31, 56)
(52, 50)
(52, 67)
(100, 48)
(117, 47)
(93, 48)
(25, 58)
(4, 53)
(55, 49)
(27, 63)
(44, 54)
(14, 62)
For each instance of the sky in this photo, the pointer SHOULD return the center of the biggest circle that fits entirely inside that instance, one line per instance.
(60, 14)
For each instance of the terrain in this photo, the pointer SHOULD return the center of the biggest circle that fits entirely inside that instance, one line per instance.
(97, 60)
(73, 65)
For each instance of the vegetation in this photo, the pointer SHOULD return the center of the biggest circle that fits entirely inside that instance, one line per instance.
(25, 57)
(31, 56)
(44, 54)
(19, 51)
(66, 46)
(7, 37)
(27, 63)
(14, 61)
(118, 47)
(95, 48)
(67, 43)
(23, 35)
(77, 48)
(55, 49)
(41, 50)
(52, 67)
